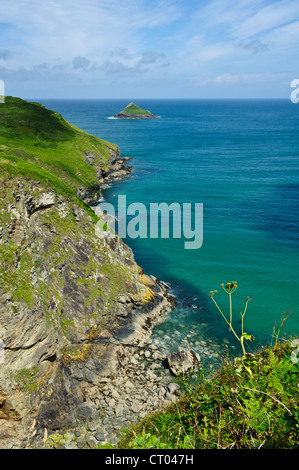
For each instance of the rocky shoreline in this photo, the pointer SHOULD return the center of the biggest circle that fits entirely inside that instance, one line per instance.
(144, 384)
(76, 311)
(117, 169)
(141, 387)
(140, 116)
(86, 312)
(76, 320)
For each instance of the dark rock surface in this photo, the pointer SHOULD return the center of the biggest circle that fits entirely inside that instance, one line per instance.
(75, 309)
(116, 170)
(182, 362)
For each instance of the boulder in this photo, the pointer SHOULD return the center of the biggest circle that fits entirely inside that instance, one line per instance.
(173, 388)
(182, 362)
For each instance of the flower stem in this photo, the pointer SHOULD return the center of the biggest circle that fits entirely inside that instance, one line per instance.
(229, 324)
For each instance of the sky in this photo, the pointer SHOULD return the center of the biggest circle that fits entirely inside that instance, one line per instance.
(149, 48)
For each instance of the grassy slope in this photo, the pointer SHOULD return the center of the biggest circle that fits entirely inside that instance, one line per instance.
(32, 133)
(132, 108)
(11, 166)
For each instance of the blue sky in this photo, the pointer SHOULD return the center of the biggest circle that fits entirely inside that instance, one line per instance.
(149, 48)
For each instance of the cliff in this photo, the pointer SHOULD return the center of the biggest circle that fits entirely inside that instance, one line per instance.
(74, 305)
(132, 111)
(42, 137)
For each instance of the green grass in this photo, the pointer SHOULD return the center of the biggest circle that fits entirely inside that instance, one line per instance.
(132, 108)
(232, 409)
(42, 137)
(13, 166)
(26, 378)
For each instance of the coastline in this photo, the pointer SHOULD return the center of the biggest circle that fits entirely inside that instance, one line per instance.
(111, 349)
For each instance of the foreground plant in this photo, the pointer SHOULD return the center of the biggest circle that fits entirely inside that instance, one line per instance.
(276, 334)
(250, 402)
(230, 409)
(230, 288)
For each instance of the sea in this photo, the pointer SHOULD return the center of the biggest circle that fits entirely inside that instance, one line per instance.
(239, 160)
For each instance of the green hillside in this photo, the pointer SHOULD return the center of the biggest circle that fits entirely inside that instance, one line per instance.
(40, 136)
(132, 108)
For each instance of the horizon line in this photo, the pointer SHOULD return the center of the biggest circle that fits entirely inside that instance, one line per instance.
(164, 99)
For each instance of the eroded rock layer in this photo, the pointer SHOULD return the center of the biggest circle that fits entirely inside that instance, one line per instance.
(74, 309)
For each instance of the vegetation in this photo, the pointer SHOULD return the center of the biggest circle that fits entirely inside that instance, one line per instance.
(230, 288)
(249, 402)
(26, 378)
(231, 409)
(132, 108)
(11, 165)
(41, 137)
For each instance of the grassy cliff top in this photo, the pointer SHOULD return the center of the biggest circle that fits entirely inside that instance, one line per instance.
(42, 137)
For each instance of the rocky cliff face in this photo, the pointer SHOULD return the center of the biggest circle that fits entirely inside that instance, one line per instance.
(73, 309)
(115, 169)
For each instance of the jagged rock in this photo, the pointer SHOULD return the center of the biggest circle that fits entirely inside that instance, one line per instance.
(116, 169)
(173, 388)
(183, 361)
(137, 407)
(119, 410)
(100, 436)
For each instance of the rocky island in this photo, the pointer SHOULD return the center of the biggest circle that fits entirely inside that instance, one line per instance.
(76, 311)
(132, 111)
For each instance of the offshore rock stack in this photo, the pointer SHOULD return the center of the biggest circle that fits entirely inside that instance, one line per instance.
(132, 111)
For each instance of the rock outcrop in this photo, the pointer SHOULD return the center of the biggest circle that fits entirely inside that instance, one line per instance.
(182, 362)
(74, 309)
(115, 169)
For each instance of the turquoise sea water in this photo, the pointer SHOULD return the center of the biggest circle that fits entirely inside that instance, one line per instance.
(241, 160)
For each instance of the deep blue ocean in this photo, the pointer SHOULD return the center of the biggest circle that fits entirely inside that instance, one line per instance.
(240, 159)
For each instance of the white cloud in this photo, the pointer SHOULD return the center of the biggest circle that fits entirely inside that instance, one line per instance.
(199, 49)
(267, 19)
(244, 19)
(75, 28)
(231, 41)
(230, 12)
